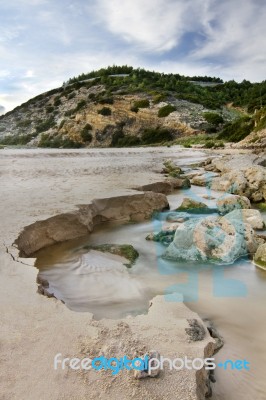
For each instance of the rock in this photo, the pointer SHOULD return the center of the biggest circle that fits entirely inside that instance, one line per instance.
(166, 186)
(228, 203)
(193, 206)
(157, 187)
(179, 183)
(262, 237)
(153, 354)
(203, 179)
(171, 169)
(211, 168)
(165, 236)
(219, 340)
(239, 176)
(231, 182)
(150, 236)
(193, 173)
(196, 330)
(172, 228)
(208, 161)
(126, 251)
(252, 217)
(78, 223)
(207, 197)
(260, 256)
(214, 239)
(256, 178)
(177, 217)
(200, 180)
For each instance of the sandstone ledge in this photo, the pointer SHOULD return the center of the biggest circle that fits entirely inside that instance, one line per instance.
(71, 225)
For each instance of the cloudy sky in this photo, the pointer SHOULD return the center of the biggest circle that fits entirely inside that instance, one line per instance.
(45, 42)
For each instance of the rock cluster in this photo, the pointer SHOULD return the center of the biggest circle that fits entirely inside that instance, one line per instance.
(246, 179)
(214, 239)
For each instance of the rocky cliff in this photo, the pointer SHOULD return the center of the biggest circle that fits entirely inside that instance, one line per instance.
(90, 116)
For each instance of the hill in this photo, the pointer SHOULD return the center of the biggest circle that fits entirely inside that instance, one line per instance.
(122, 106)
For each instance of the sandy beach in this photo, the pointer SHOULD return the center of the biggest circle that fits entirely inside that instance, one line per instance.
(38, 184)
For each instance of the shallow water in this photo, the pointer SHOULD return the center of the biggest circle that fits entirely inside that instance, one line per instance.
(232, 296)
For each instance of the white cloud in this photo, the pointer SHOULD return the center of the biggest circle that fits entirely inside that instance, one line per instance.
(2, 110)
(4, 73)
(44, 43)
(29, 74)
(61, 68)
(234, 33)
(239, 31)
(154, 25)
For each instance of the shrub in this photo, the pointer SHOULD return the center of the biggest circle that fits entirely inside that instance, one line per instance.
(105, 111)
(71, 95)
(24, 124)
(62, 123)
(57, 102)
(134, 109)
(68, 113)
(260, 118)
(213, 118)
(86, 134)
(129, 140)
(117, 135)
(166, 110)
(57, 142)
(237, 130)
(143, 103)
(81, 104)
(119, 139)
(158, 98)
(106, 100)
(92, 96)
(45, 125)
(156, 135)
(210, 144)
(17, 140)
(49, 109)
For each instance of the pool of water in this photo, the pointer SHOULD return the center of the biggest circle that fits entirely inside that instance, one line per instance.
(232, 296)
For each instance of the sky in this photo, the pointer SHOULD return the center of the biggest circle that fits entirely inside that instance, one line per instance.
(45, 42)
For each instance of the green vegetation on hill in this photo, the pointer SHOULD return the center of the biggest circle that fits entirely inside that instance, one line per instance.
(143, 103)
(19, 140)
(241, 127)
(105, 111)
(208, 141)
(260, 119)
(86, 133)
(232, 110)
(237, 130)
(162, 86)
(213, 118)
(244, 94)
(58, 141)
(148, 136)
(166, 110)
